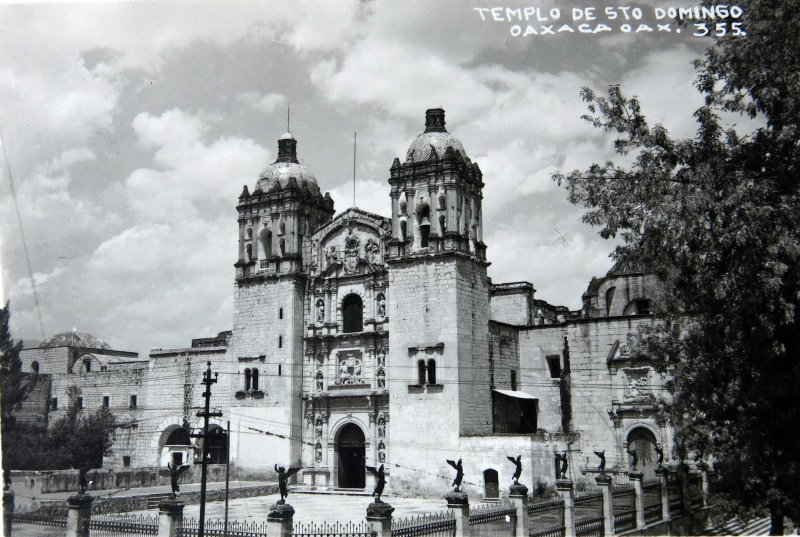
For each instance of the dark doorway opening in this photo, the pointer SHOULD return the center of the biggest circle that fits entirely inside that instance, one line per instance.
(352, 457)
(491, 484)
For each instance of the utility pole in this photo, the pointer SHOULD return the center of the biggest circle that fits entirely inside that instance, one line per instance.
(208, 381)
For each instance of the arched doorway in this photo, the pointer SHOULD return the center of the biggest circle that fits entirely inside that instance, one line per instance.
(491, 484)
(351, 454)
(175, 446)
(217, 447)
(644, 442)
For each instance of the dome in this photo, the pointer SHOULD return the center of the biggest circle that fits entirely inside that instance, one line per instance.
(74, 339)
(435, 138)
(286, 167)
(281, 172)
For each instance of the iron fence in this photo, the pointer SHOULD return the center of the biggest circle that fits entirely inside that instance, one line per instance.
(216, 528)
(546, 519)
(123, 526)
(652, 513)
(624, 520)
(442, 524)
(589, 528)
(333, 529)
(26, 525)
(490, 520)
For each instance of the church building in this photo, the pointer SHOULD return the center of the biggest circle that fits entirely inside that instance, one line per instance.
(360, 339)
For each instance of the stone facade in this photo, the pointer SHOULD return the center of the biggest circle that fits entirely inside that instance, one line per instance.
(366, 340)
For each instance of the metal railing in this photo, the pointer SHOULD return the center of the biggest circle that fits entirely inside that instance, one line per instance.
(334, 529)
(546, 519)
(589, 528)
(442, 524)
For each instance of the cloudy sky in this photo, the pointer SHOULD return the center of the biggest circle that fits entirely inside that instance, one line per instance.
(130, 128)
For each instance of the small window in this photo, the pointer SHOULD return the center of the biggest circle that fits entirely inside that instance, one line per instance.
(254, 379)
(280, 313)
(421, 372)
(282, 246)
(106, 401)
(79, 403)
(442, 223)
(87, 365)
(280, 342)
(610, 299)
(126, 461)
(132, 402)
(54, 403)
(247, 379)
(513, 379)
(249, 248)
(554, 364)
(403, 230)
(280, 370)
(35, 367)
(177, 458)
(431, 371)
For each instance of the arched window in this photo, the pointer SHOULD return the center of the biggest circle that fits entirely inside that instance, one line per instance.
(640, 306)
(403, 230)
(442, 202)
(266, 243)
(424, 223)
(609, 299)
(491, 483)
(431, 371)
(282, 246)
(87, 365)
(442, 223)
(644, 442)
(249, 233)
(421, 372)
(247, 377)
(254, 379)
(35, 367)
(249, 249)
(352, 313)
(282, 227)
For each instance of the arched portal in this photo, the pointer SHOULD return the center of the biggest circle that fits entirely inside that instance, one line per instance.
(351, 457)
(217, 447)
(644, 442)
(174, 446)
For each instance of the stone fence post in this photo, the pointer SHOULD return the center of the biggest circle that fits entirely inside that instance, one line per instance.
(79, 515)
(638, 489)
(567, 493)
(8, 511)
(604, 481)
(458, 502)
(170, 517)
(280, 521)
(519, 495)
(379, 516)
(663, 475)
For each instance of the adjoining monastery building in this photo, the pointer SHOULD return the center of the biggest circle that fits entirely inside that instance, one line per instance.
(360, 339)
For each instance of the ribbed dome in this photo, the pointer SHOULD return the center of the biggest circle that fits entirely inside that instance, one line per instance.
(435, 138)
(74, 339)
(285, 167)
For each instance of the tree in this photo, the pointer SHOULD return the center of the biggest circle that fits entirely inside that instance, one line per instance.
(77, 440)
(11, 391)
(717, 218)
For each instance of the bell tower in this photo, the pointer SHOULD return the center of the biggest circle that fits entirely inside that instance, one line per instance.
(436, 196)
(265, 354)
(439, 304)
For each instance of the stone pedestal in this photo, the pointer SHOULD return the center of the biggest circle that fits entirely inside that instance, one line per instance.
(636, 479)
(567, 493)
(519, 496)
(79, 515)
(663, 476)
(379, 516)
(280, 520)
(605, 481)
(170, 517)
(8, 510)
(458, 502)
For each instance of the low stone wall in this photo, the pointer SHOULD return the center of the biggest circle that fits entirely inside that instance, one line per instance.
(151, 476)
(126, 504)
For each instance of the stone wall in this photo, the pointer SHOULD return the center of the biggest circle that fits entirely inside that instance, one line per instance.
(513, 303)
